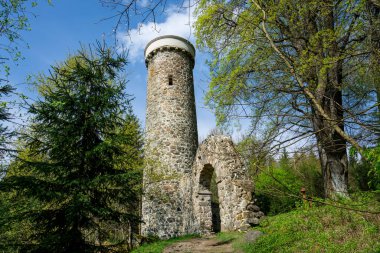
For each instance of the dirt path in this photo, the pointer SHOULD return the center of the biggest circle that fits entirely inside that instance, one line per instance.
(201, 245)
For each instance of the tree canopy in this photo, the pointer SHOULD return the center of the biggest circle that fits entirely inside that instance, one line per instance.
(299, 70)
(14, 19)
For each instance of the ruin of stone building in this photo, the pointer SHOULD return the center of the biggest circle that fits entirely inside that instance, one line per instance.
(177, 177)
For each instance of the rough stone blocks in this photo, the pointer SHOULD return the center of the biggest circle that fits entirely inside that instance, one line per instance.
(177, 175)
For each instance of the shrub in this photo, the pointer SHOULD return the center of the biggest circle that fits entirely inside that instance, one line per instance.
(277, 187)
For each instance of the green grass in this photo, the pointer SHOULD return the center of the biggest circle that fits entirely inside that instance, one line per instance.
(159, 246)
(225, 237)
(318, 229)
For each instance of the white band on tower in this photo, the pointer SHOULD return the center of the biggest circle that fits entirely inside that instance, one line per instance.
(169, 41)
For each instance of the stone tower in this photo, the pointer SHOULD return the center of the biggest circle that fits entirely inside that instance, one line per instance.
(171, 137)
(178, 198)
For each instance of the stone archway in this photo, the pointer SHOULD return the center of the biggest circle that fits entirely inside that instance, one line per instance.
(217, 155)
(208, 198)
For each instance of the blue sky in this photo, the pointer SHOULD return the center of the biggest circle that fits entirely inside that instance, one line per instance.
(59, 29)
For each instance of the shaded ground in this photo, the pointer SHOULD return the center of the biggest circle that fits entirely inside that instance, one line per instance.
(201, 245)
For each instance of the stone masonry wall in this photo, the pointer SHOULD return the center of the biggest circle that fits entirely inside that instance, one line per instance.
(217, 153)
(171, 142)
(177, 175)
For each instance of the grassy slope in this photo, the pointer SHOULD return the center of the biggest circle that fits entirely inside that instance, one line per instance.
(322, 229)
(318, 229)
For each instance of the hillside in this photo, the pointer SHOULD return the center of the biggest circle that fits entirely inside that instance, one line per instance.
(319, 229)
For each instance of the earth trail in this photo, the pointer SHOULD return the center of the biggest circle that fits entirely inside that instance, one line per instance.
(201, 245)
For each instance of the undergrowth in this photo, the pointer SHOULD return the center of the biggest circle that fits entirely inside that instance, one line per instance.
(320, 229)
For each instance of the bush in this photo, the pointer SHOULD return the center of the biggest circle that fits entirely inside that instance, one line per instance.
(364, 174)
(277, 187)
(277, 190)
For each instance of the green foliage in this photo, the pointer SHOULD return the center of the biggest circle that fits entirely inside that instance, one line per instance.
(292, 67)
(307, 168)
(159, 246)
(277, 187)
(5, 135)
(245, 68)
(13, 21)
(362, 174)
(14, 209)
(256, 155)
(277, 190)
(83, 164)
(278, 184)
(373, 157)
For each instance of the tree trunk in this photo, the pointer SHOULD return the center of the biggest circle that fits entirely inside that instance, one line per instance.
(333, 155)
(335, 172)
(331, 145)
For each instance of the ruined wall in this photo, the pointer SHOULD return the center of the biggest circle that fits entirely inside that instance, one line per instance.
(171, 140)
(217, 154)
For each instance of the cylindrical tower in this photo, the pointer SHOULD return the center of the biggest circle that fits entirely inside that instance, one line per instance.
(171, 136)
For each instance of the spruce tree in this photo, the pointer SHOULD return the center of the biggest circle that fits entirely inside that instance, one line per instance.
(89, 178)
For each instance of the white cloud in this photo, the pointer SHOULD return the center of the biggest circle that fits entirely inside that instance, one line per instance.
(175, 23)
(143, 3)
